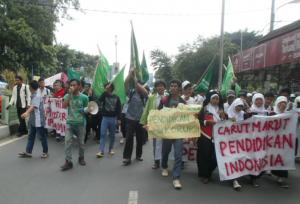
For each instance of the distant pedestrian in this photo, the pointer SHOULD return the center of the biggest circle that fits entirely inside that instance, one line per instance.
(21, 99)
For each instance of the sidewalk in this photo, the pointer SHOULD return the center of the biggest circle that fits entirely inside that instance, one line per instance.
(4, 131)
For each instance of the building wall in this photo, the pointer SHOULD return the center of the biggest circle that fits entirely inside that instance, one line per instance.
(273, 78)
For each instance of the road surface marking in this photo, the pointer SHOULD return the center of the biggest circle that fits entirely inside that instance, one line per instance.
(133, 197)
(11, 141)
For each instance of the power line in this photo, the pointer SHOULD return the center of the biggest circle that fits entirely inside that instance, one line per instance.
(122, 12)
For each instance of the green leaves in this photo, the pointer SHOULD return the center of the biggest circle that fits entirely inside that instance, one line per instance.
(27, 35)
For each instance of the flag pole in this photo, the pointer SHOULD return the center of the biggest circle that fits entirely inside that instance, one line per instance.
(206, 70)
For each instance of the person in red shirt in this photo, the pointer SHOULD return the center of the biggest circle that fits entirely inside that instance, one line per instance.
(211, 113)
(59, 91)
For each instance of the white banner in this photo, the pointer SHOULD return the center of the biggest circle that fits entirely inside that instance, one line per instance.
(56, 115)
(255, 145)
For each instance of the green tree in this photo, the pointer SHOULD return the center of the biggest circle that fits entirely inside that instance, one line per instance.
(27, 34)
(162, 63)
(193, 59)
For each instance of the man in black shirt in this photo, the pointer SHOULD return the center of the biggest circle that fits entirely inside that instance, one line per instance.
(110, 108)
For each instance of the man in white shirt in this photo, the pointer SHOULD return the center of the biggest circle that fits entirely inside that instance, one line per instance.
(230, 99)
(21, 99)
(43, 91)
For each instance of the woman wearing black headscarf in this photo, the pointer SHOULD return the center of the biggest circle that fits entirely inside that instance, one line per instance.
(211, 113)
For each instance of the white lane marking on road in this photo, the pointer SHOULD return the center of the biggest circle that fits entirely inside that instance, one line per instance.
(133, 197)
(11, 141)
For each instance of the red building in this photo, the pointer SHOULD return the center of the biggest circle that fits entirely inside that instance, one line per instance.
(272, 64)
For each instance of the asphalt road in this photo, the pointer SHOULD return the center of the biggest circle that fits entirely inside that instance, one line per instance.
(106, 181)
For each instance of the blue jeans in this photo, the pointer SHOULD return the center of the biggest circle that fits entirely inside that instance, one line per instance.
(108, 123)
(166, 149)
(33, 131)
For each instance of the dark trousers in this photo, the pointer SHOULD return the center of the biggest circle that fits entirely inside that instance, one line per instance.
(280, 173)
(93, 122)
(133, 128)
(40, 131)
(206, 157)
(22, 122)
(123, 125)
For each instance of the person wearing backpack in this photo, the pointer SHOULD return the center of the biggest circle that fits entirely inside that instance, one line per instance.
(21, 99)
(43, 91)
(137, 100)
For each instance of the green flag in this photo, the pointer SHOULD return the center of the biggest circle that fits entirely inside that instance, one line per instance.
(118, 82)
(134, 57)
(228, 79)
(100, 76)
(204, 83)
(144, 69)
(107, 68)
(237, 89)
(73, 74)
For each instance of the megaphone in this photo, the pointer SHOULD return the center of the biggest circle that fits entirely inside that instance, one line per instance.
(92, 108)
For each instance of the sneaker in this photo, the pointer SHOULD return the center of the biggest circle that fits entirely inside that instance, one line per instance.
(100, 155)
(165, 173)
(126, 162)
(111, 152)
(24, 155)
(44, 156)
(122, 140)
(67, 166)
(81, 161)
(139, 159)
(281, 183)
(156, 164)
(236, 185)
(177, 185)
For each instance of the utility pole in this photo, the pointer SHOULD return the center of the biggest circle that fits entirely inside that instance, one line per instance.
(116, 47)
(272, 16)
(221, 46)
(241, 61)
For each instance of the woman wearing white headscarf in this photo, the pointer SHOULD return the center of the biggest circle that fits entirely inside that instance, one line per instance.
(280, 108)
(296, 108)
(280, 105)
(235, 113)
(235, 110)
(258, 105)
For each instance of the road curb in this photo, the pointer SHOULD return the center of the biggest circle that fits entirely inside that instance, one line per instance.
(4, 131)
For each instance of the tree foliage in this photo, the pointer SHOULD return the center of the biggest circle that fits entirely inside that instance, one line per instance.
(193, 59)
(163, 64)
(27, 34)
